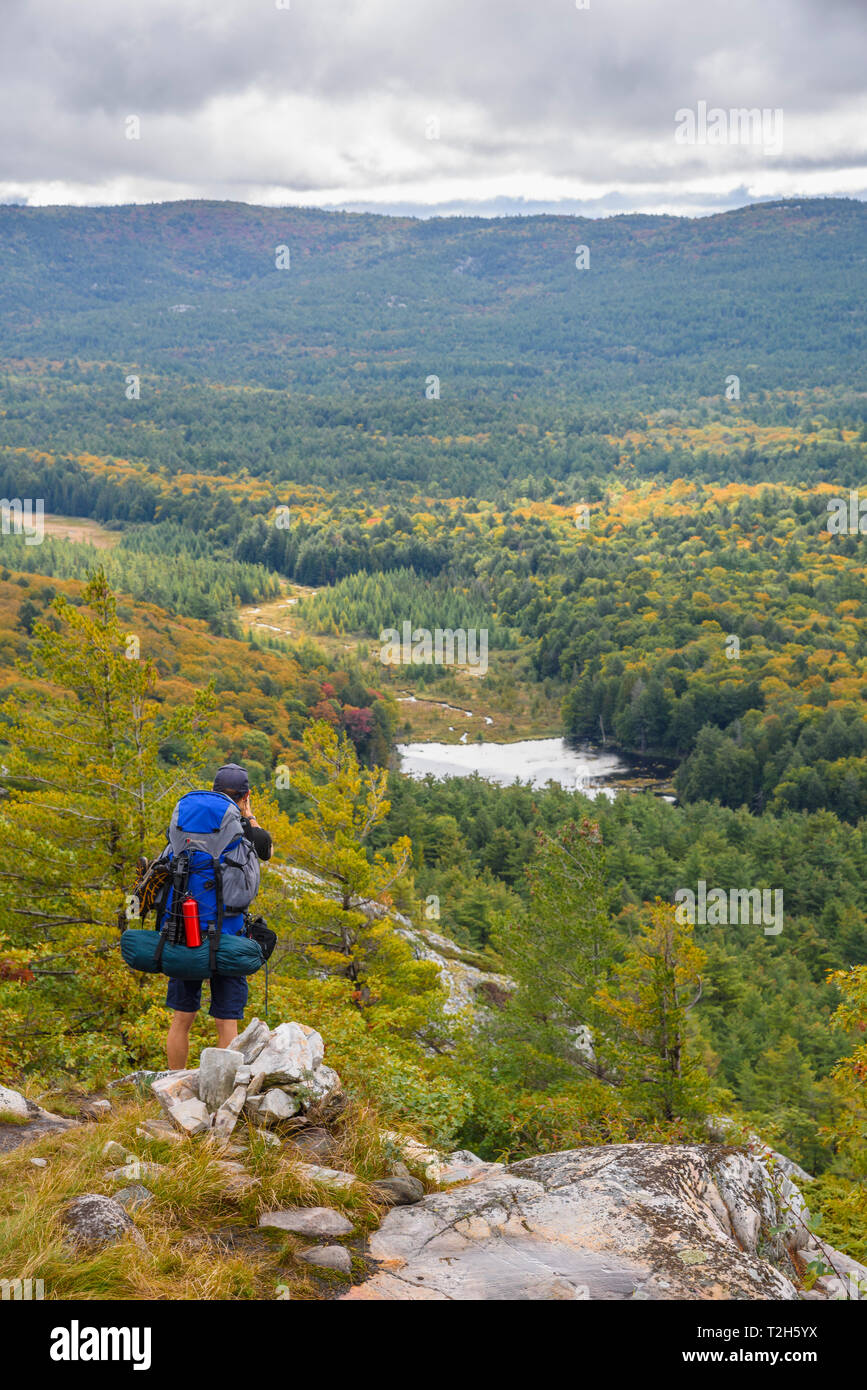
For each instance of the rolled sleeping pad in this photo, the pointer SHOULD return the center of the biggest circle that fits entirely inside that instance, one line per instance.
(236, 955)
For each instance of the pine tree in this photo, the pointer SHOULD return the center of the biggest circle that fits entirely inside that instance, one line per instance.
(558, 951)
(646, 1006)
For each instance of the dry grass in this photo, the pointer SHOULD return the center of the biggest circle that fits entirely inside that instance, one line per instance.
(200, 1231)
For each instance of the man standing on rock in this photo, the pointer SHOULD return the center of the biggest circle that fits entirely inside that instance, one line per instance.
(228, 992)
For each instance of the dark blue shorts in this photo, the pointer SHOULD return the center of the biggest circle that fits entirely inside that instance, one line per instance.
(228, 996)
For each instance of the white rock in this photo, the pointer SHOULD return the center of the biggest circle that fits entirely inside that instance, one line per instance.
(227, 1116)
(191, 1116)
(467, 1172)
(116, 1153)
(236, 1176)
(328, 1257)
(335, 1177)
(293, 1053)
(429, 1160)
(253, 1039)
(307, 1221)
(175, 1086)
(276, 1105)
(217, 1070)
(235, 1102)
(158, 1129)
(141, 1080)
(319, 1084)
(465, 1157)
(134, 1172)
(39, 1162)
(224, 1123)
(13, 1103)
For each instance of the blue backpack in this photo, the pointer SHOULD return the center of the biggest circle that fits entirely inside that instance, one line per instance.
(211, 860)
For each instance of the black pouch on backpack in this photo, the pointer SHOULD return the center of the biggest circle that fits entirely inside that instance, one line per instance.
(259, 931)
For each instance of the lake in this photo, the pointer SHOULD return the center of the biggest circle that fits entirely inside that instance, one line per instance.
(578, 767)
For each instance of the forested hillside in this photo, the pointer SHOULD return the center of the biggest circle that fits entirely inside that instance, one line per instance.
(495, 306)
(317, 372)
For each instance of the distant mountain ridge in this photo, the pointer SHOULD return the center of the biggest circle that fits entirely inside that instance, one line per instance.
(491, 305)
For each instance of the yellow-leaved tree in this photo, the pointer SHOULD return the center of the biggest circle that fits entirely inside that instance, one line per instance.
(85, 793)
(340, 890)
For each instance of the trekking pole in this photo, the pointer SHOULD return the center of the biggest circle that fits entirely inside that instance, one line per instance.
(266, 991)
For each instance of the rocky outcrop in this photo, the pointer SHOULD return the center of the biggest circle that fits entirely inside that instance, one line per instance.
(617, 1222)
(469, 988)
(22, 1120)
(271, 1075)
(724, 1130)
(640, 1221)
(12, 1104)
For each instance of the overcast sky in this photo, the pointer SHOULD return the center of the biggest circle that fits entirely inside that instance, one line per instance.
(537, 104)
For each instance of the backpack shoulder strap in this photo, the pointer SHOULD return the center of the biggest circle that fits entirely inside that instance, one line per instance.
(214, 936)
(208, 821)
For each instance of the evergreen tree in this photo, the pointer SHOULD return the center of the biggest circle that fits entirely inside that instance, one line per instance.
(646, 1007)
(558, 950)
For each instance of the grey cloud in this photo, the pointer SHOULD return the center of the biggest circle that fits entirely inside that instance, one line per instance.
(519, 85)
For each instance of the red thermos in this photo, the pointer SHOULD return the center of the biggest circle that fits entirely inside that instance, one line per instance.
(190, 913)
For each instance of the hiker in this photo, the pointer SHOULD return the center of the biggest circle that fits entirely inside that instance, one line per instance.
(228, 993)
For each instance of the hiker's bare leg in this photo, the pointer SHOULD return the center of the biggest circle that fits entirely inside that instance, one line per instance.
(178, 1040)
(227, 1029)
